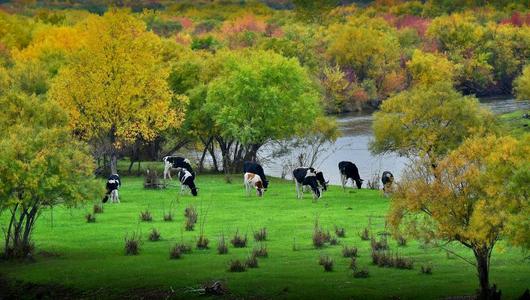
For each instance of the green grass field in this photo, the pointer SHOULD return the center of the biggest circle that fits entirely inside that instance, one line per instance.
(90, 256)
(514, 123)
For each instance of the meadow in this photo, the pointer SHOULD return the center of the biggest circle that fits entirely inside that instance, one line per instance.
(90, 256)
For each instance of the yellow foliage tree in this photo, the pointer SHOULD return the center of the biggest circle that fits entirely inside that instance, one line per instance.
(478, 195)
(522, 84)
(427, 68)
(115, 88)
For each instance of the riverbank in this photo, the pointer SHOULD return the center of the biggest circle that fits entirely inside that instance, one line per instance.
(515, 122)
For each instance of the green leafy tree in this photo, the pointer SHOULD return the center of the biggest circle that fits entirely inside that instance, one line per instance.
(259, 96)
(522, 84)
(428, 121)
(41, 165)
(476, 197)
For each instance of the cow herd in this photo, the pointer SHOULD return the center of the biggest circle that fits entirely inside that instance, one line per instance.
(254, 178)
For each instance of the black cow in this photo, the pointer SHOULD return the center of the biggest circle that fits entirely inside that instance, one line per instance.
(175, 162)
(306, 177)
(255, 168)
(113, 184)
(387, 179)
(187, 180)
(348, 170)
(320, 179)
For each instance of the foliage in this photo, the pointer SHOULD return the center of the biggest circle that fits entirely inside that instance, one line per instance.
(39, 165)
(475, 196)
(428, 121)
(115, 89)
(429, 69)
(522, 85)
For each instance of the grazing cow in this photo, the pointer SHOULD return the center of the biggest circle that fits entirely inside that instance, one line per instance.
(320, 179)
(187, 180)
(113, 184)
(306, 177)
(251, 180)
(348, 170)
(387, 179)
(175, 162)
(255, 168)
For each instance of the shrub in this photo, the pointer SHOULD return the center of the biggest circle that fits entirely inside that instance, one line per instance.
(191, 217)
(132, 245)
(239, 241)
(252, 261)
(340, 232)
(237, 266)
(202, 243)
(260, 251)
(353, 263)
(326, 262)
(382, 258)
(168, 217)
(98, 209)
(146, 216)
(90, 218)
(184, 248)
(349, 252)
(175, 252)
(382, 244)
(190, 225)
(361, 274)
(427, 270)
(261, 235)
(154, 235)
(319, 237)
(400, 262)
(221, 246)
(401, 241)
(333, 241)
(365, 234)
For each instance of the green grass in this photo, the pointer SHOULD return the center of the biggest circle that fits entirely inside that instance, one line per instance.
(515, 124)
(91, 255)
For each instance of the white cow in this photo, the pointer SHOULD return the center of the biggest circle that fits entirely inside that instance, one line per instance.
(253, 181)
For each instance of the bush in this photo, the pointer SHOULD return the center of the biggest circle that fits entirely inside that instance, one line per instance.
(98, 209)
(146, 216)
(385, 259)
(252, 261)
(191, 217)
(319, 237)
(353, 263)
(202, 243)
(427, 270)
(239, 241)
(382, 244)
(401, 241)
(400, 262)
(221, 246)
(154, 235)
(90, 218)
(333, 241)
(132, 245)
(168, 217)
(183, 247)
(326, 262)
(349, 252)
(340, 232)
(261, 235)
(260, 251)
(365, 234)
(175, 252)
(361, 274)
(237, 266)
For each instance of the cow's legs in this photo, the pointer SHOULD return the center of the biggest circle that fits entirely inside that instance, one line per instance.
(167, 173)
(343, 180)
(299, 191)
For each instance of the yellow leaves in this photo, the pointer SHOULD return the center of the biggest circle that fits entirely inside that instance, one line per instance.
(50, 40)
(428, 69)
(522, 84)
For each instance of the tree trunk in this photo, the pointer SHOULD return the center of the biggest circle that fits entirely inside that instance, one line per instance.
(206, 146)
(482, 256)
(114, 162)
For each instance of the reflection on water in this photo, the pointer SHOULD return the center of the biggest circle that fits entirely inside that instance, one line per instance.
(356, 134)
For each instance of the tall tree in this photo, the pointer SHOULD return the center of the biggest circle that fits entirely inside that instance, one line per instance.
(115, 89)
(41, 165)
(428, 121)
(259, 96)
(478, 195)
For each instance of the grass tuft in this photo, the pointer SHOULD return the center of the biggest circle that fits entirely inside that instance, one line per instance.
(90, 218)
(260, 235)
(221, 245)
(361, 274)
(426, 269)
(175, 252)
(239, 241)
(349, 251)
(168, 217)
(260, 251)
(326, 262)
(154, 235)
(202, 242)
(132, 245)
(252, 261)
(98, 208)
(340, 231)
(237, 266)
(146, 216)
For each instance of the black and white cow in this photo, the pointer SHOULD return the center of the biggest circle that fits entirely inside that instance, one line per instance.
(348, 170)
(255, 168)
(175, 162)
(187, 180)
(387, 179)
(113, 184)
(306, 177)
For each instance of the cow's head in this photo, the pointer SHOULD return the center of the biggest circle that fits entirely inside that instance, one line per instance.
(260, 188)
(321, 180)
(265, 184)
(359, 183)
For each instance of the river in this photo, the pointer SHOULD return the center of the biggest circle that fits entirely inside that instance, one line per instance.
(352, 145)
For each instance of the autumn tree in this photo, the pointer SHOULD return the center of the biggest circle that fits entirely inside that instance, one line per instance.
(259, 96)
(477, 196)
(39, 166)
(428, 121)
(115, 89)
(522, 84)
(429, 68)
